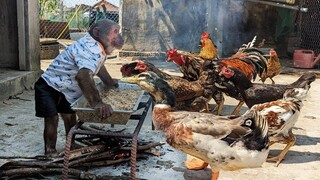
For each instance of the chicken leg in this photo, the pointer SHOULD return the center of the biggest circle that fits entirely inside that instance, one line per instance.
(291, 140)
(219, 99)
(236, 110)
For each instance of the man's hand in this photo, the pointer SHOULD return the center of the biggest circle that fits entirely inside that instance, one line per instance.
(105, 110)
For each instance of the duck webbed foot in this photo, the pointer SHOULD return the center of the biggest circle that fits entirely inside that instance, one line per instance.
(214, 175)
(195, 164)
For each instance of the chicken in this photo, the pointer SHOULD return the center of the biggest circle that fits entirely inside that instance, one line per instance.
(140, 66)
(255, 93)
(190, 96)
(248, 60)
(190, 64)
(128, 70)
(224, 142)
(273, 67)
(208, 48)
(281, 116)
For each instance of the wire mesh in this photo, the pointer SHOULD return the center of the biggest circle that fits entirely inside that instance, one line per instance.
(310, 26)
(69, 19)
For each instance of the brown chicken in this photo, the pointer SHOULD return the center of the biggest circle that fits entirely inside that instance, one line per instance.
(273, 67)
(190, 96)
(191, 64)
(208, 48)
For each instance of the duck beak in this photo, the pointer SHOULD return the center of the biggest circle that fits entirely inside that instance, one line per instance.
(132, 79)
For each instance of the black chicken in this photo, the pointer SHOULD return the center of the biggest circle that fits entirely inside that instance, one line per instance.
(255, 93)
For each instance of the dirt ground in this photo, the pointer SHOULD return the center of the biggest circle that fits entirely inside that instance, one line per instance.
(21, 135)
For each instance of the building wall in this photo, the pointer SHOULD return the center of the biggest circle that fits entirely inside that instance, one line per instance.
(19, 29)
(9, 52)
(158, 25)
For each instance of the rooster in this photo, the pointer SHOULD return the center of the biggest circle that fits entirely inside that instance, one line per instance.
(273, 66)
(281, 116)
(248, 60)
(251, 62)
(191, 64)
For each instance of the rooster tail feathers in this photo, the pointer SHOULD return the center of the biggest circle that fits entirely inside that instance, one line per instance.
(249, 45)
(257, 59)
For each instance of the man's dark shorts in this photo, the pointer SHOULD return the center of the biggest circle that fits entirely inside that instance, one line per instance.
(49, 102)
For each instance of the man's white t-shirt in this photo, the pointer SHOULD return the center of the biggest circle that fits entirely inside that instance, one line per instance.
(84, 53)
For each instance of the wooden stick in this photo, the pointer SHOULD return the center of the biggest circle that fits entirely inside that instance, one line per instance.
(30, 171)
(144, 147)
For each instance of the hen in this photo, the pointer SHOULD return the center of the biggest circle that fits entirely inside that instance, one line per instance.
(208, 48)
(224, 142)
(255, 93)
(282, 116)
(190, 96)
(273, 67)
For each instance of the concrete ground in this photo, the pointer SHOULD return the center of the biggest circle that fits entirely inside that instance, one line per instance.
(21, 135)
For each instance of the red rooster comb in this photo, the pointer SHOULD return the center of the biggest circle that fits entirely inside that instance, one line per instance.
(171, 52)
(205, 35)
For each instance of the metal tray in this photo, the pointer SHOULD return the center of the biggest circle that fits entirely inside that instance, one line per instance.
(119, 116)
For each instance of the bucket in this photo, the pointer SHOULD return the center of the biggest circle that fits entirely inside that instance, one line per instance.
(304, 59)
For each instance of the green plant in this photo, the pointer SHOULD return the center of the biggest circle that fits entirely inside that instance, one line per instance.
(48, 7)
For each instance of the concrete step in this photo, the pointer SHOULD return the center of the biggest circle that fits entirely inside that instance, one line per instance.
(13, 82)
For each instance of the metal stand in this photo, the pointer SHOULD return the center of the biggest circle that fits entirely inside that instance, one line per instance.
(78, 129)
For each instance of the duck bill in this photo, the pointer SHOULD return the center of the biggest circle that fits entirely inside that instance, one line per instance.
(132, 79)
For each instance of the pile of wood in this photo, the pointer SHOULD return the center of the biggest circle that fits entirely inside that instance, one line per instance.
(96, 152)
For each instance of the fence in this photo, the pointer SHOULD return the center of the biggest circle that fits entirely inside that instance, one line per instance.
(68, 19)
(310, 26)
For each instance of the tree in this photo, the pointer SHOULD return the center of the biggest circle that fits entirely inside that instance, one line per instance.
(48, 7)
